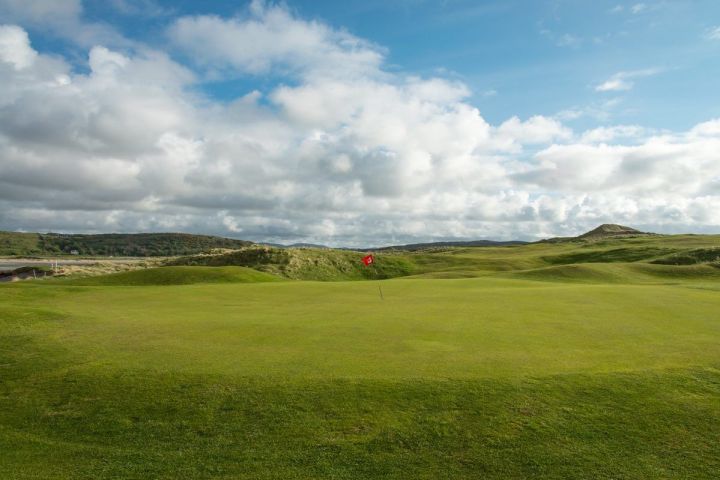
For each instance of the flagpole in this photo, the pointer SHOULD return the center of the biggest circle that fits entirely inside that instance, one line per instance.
(382, 297)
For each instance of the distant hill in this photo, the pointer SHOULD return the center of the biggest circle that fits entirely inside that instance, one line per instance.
(611, 230)
(411, 247)
(294, 245)
(115, 244)
(604, 231)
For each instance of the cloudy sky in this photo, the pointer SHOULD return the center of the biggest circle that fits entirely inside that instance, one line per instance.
(359, 122)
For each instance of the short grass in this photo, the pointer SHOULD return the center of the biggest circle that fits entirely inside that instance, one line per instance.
(524, 370)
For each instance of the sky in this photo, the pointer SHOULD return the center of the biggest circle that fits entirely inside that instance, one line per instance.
(356, 123)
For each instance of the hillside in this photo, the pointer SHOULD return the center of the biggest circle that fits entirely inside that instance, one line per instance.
(412, 247)
(604, 231)
(305, 263)
(113, 244)
(608, 230)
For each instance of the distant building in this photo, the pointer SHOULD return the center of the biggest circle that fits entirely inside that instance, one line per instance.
(74, 252)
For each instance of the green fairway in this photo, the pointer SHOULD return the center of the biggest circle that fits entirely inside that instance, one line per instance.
(533, 368)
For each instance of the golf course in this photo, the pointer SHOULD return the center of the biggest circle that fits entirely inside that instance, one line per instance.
(580, 358)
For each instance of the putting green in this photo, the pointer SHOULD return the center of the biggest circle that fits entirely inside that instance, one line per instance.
(423, 328)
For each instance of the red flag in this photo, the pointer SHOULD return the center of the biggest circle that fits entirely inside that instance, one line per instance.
(368, 259)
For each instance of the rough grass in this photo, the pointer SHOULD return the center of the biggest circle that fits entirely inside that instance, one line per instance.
(692, 257)
(307, 263)
(607, 255)
(629, 273)
(179, 276)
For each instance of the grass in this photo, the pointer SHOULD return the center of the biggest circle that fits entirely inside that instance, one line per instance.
(306, 263)
(508, 367)
(178, 276)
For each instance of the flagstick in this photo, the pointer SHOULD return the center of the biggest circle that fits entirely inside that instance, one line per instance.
(381, 294)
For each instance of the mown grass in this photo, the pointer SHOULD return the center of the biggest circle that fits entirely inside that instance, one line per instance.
(526, 370)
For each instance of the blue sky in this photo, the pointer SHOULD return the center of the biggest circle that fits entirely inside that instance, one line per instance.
(355, 122)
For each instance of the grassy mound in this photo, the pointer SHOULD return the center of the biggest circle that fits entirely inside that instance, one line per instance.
(677, 272)
(596, 273)
(179, 276)
(308, 263)
(691, 257)
(627, 254)
(619, 273)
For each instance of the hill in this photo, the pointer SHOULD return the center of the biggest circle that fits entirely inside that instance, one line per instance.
(411, 247)
(608, 230)
(112, 244)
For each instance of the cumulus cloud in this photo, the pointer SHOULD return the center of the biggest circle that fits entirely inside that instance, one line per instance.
(341, 151)
(535, 130)
(662, 164)
(15, 47)
(270, 37)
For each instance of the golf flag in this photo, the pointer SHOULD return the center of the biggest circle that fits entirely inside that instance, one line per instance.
(368, 259)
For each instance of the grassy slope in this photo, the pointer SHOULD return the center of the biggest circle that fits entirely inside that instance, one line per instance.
(178, 276)
(599, 370)
(16, 243)
(307, 263)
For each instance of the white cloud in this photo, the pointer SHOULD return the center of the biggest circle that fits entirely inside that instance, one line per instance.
(608, 134)
(268, 38)
(714, 33)
(624, 80)
(15, 47)
(147, 8)
(638, 8)
(678, 164)
(614, 85)
(535, 130)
